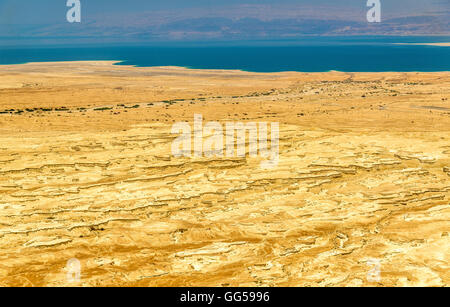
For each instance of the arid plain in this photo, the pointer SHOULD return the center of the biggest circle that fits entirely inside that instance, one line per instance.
(87, 173)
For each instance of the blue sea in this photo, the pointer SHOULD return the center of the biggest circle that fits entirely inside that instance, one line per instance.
(371, 54)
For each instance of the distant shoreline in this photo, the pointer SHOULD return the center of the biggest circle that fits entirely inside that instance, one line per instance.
(425, 44)
(118, 66)
(122, 66)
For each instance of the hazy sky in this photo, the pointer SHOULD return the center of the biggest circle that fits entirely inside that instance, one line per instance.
(53, 11)
(205, 20)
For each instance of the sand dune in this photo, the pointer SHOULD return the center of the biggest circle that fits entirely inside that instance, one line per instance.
(87, 173)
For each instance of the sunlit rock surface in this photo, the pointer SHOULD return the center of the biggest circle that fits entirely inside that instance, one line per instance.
(87, 172)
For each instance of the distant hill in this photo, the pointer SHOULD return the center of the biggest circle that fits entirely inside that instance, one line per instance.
(153, 28)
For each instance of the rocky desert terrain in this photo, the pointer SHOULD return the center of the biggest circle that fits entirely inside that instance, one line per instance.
(87, 173)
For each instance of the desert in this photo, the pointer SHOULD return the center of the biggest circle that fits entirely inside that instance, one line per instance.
(87, 173)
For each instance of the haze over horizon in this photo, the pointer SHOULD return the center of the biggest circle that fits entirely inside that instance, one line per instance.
(176, 20)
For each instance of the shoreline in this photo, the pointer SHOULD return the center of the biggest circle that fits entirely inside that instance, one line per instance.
(117, 63)
(425, 44)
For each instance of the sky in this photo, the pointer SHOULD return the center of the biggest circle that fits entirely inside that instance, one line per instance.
(53, 11)
(149, 20)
